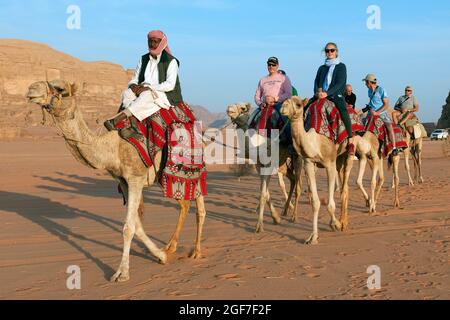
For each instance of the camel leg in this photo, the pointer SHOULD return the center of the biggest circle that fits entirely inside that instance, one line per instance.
(282, 185)
(418, 155)
(380, 178)
(338, 182)
(310, 173)
(348, 163)
(201, 214)
(407, 152)
(262, 203)
(288, 205)
(331, 173)
(298, 165)
(373, 186)
(359, 181)
(275, 216)
(158, 253)
(396, 161)
(184, 210)
(129, 229)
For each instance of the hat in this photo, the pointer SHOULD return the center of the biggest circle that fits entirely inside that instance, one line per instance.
(273, 60)
(370, 77)
(409, 88)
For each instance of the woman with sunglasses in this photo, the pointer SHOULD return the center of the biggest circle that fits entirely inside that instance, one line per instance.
(330, 82)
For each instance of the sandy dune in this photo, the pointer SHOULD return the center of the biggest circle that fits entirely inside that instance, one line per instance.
(54, 213)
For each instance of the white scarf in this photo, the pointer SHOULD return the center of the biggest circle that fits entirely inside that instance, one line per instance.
(332, 63)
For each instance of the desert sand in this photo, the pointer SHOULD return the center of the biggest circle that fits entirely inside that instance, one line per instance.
(55, 213)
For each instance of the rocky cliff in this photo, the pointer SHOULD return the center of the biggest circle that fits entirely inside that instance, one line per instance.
(99, 84)
(444, 121)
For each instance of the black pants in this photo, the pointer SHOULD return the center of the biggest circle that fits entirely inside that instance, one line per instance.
(341, 105)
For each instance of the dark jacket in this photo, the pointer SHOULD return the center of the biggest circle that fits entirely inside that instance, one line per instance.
(338, 81)
(173, 96)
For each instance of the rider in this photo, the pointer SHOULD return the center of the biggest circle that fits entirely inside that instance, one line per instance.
(404, 110)
(349, 96)
(330, 82)
(378, 105)
(294, 90)
(274, 88)
(157, 72)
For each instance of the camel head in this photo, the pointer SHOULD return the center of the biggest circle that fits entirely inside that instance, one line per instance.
(49, 95)
(239, 114)
(293, 107)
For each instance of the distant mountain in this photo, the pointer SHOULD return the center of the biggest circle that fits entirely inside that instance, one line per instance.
(100, 83)
(210, 119)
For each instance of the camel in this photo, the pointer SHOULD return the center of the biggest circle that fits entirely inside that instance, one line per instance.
(318, 149)
(415, 148)
(239, 114)
(367, 147)
(120, 159)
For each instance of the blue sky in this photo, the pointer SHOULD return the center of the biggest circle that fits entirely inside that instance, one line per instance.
(223, 45)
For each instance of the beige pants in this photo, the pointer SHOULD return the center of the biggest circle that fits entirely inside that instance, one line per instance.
(146, 104)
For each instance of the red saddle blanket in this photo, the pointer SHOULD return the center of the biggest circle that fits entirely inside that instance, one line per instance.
(183, 176)
(375, 125)
(323, 116)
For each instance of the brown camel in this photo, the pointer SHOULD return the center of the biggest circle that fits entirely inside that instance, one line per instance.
(239, 114)
(318, 149)
(113, 154)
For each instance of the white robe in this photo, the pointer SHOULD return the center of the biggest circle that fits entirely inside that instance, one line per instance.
(145, 105)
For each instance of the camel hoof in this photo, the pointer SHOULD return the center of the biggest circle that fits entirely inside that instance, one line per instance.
(120, 276)
(335, 226)
(421, 181)
(259, 227)
(276, 220)
(170, 248)
(162, 258)
(312, 240)
(344, 226)
(195, 254)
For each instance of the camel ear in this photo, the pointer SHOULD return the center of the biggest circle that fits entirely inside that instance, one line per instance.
(305, 102)
(73, 88)
(58, 84)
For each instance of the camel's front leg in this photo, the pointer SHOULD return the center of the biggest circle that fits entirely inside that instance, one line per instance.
(262, 202)
(288, 204)
(331, 174)
(184, 210)
(373, 185)
(134, 197)
(311, 175)
(282, 185)
(396, 160)
(407, 153)
(418, 155)
(359, 181)
(201, 214)
(348, 163)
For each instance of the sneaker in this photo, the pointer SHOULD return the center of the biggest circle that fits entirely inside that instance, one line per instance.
(395, 151)
(351, 150)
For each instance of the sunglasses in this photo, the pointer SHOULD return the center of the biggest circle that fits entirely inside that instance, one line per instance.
(408, 90)
(271, 65)
(330, 50)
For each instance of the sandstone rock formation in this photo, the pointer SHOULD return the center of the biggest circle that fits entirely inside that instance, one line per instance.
(444, 121)
(100, 84)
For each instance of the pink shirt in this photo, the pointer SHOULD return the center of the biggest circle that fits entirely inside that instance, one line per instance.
(278, 86)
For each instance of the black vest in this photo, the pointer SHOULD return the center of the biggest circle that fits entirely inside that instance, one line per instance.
(173, 96)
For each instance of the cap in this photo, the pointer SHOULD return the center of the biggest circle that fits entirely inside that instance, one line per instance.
(409, 88)
(370, 77)
(273, 60)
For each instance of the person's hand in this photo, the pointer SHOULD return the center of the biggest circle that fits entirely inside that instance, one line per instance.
(141, 89)
(270, 101)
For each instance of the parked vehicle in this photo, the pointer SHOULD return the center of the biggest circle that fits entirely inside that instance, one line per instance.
(439, 134)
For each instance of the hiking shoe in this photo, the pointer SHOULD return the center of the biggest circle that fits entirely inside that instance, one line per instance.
(109, 124)
(395, 151)
(351, 150)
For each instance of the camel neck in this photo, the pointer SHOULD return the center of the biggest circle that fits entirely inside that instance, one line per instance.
(86, 147)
